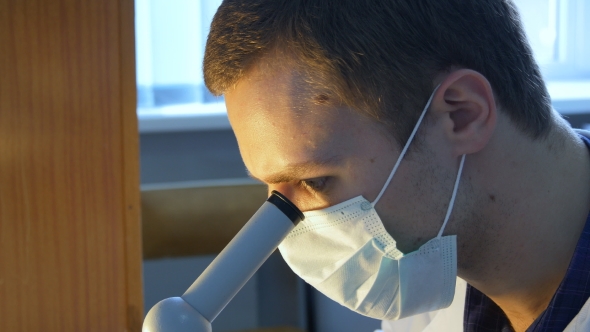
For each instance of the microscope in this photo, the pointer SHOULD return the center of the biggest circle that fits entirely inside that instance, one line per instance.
(230, 270)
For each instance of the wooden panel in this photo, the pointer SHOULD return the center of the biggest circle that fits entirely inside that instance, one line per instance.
(70, 250)
(197, 219)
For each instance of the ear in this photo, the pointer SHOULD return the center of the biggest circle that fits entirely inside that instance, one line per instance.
(465, 102)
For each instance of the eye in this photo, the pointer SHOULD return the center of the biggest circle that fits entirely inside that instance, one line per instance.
(315, 185)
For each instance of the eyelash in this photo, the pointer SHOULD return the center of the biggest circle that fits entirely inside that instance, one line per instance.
(309, 184)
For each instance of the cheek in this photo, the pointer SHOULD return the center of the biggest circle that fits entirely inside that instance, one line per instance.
(372, 174)
(415, 203)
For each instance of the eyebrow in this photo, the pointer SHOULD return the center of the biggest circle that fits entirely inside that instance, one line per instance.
(297, 171)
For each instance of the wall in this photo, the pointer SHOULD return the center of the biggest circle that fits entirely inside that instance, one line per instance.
(70, 236)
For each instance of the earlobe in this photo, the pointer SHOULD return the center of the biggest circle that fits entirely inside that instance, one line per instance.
(466, 102)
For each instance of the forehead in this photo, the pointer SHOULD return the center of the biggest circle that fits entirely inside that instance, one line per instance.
(279, 120)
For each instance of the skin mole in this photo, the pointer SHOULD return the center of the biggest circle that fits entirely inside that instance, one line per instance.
(321, 99)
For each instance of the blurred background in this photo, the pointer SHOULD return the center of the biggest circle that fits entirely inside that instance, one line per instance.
(191, 167)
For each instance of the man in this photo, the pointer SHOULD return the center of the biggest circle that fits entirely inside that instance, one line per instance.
(419, 138)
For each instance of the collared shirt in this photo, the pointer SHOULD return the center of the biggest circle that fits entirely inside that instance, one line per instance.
(483, 315)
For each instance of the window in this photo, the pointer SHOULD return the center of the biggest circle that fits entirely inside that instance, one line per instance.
(170, 42)
(171, 36)
(558, 32)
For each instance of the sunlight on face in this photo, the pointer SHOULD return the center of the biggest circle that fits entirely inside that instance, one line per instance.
(316, 153)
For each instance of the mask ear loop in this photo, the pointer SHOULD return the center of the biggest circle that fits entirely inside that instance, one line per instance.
(452, 202)
(405, 149)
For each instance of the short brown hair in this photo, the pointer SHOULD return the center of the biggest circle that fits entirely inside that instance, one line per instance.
(381, 56)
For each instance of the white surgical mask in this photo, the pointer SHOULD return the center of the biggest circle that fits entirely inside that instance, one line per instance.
(345, 252)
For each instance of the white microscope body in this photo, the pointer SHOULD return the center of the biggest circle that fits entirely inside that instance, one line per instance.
(226, 275)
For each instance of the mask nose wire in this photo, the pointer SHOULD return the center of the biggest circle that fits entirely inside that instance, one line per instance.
(452, 202)
(405, 149)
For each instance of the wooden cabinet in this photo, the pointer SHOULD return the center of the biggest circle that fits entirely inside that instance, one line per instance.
(70, 236)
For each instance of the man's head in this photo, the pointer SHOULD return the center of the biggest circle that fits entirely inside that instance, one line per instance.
(322, 95)
(380, 57)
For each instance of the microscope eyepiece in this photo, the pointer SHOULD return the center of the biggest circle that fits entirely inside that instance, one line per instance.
(285, 205)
